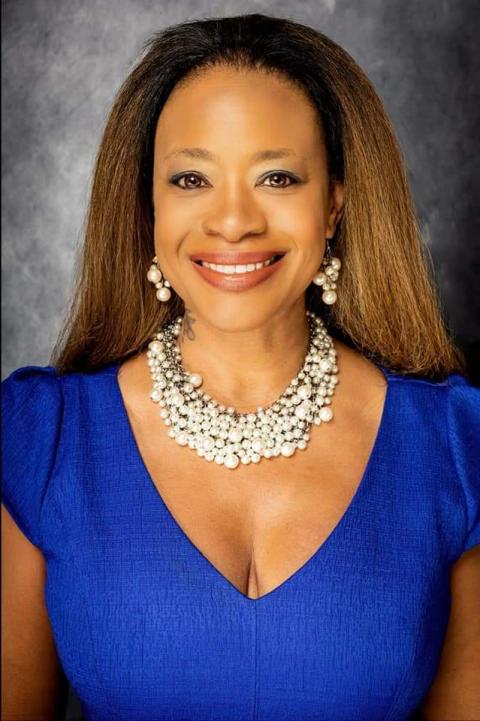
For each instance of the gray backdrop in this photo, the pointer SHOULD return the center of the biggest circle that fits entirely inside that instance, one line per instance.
(63, 61)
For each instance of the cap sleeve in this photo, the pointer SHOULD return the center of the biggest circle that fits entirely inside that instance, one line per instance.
(31, 421)
(464, 435)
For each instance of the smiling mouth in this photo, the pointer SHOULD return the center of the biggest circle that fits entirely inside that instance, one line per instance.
(239, 268)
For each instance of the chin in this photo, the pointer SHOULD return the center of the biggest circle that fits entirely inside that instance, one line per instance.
(237, 316)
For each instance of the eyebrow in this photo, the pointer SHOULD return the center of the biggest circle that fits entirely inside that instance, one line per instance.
(204, 154)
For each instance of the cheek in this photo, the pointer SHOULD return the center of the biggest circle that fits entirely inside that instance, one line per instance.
(301, 218)
(305, 265)
(312, 235)
(173, 227)
(170, 225)
(168, 239)
(306, 232)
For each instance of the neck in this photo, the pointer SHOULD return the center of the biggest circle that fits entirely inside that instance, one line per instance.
(250, 368)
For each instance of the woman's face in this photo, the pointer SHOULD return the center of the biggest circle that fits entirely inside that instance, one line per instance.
(217, 201)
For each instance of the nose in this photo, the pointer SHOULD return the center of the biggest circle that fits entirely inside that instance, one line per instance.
(234, 217)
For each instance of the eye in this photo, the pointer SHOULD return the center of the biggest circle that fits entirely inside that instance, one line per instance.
(175, 180)
(277, 175)
(189, 176)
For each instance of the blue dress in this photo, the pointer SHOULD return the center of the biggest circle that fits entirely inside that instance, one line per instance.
(147, 629)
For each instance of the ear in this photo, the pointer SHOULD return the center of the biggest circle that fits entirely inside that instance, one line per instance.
(336, 206)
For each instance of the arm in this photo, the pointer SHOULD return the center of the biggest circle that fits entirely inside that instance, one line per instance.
(34, 687)
(455, 692)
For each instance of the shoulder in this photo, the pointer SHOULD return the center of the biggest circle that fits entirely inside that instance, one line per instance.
(463, 399)
(363, 378)
(361, 392)
(31, 375)
(135, 384)
(38, 386)
(31, 393)
(32, 412)
(446, 417)
(463, 429)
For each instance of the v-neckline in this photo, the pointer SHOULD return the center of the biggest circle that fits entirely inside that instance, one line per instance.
(321, 550)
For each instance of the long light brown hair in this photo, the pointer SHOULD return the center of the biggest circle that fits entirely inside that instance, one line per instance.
(387, 306)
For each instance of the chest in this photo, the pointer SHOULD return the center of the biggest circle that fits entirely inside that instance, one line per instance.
(258, 524)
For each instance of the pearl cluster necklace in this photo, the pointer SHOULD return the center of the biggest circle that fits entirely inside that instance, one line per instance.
(219, 433)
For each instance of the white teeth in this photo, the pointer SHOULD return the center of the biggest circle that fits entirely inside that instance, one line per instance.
(237, 268)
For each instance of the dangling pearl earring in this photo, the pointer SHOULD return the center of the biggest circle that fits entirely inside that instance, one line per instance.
(155, 276)
(327, 277)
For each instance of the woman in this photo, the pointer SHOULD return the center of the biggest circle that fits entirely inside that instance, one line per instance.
(251, 471)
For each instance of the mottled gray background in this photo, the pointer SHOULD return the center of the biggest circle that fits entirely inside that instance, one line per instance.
(63, 61)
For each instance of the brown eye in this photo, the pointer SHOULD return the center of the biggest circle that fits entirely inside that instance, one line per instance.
(188, 177)
(276, 176)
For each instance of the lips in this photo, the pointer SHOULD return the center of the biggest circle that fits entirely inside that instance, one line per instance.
(234, 258)
(237, 281)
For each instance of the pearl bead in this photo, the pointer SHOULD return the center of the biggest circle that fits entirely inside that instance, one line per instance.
(154, 275)
(235, 435)
(231, 461)
(329, 297)
(319, 278)
(156, 346)
(336, 263)
(196, 380)
(303, 409)
(163, 294)
(304, 392)
(258, 446)
(182, 439)
(326, 413)
(287, 449)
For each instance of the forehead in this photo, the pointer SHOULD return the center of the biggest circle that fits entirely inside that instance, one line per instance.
(220, 106)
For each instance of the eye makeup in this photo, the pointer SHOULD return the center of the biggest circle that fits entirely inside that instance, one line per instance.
(292, 178)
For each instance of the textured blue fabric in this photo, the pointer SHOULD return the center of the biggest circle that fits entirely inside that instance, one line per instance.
(148, 630)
